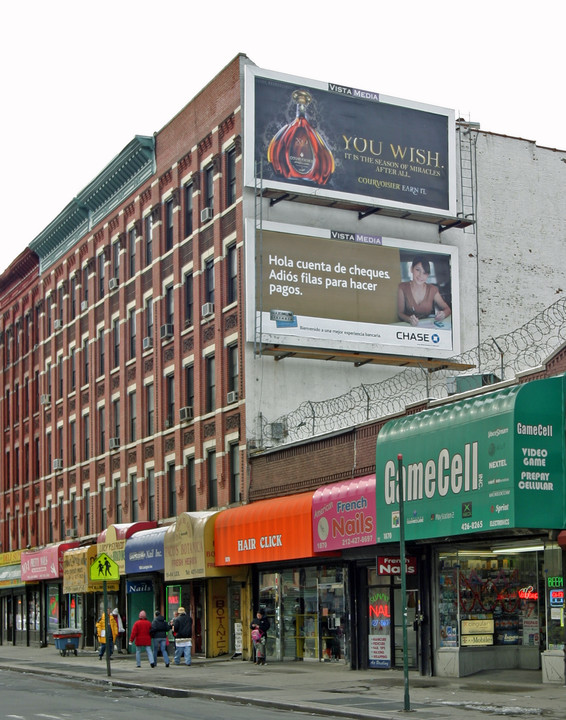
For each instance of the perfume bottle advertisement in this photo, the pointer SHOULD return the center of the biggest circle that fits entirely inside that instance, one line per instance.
(348, 141)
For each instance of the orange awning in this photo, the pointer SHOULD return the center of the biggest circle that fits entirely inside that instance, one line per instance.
(264, 531)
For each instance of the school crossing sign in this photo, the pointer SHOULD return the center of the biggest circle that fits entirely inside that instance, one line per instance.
(103, 568)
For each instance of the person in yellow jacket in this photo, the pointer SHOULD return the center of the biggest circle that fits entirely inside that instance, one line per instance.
(101, 632)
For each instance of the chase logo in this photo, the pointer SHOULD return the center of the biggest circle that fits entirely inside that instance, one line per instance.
(435, 339)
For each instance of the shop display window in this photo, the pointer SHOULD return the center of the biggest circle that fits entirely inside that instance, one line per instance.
(486, 598)
(307, 610)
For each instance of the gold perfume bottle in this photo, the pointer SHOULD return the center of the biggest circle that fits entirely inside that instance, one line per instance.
(298, 151)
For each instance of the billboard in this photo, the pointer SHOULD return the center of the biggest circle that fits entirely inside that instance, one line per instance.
(339, 142)
(320, 288)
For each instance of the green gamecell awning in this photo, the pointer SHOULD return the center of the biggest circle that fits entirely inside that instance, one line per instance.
(488, 463)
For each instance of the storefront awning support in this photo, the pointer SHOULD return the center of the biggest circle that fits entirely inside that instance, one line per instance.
(401, 488)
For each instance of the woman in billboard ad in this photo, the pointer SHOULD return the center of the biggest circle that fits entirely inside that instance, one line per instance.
(418, 299)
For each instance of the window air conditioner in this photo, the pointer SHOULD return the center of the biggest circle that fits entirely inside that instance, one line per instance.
(84, 305)
(206, 214)
(147, 343)
(168, 423)
(114, 443)
(57, 464)
(113, 283)
(232, 397)
(71, 532)
(166, 331)
(186, 413)
(58, 324)
(45, 400)
(207, 309)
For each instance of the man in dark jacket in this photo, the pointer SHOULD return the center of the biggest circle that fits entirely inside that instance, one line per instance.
(159, 630)
(260, 623)
(183, 631)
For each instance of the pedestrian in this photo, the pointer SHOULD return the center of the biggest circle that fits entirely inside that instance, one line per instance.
(121, 630)
(183, 630)
(101, 631)
(259, 627)
(142, 638)
(159, 630)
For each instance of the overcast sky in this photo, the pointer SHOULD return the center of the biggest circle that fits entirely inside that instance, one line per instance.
(79, 79)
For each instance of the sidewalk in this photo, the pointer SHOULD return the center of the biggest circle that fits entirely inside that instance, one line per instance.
(323, 689)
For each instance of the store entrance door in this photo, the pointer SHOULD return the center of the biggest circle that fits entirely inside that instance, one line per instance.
(412, 632)
(332, 621)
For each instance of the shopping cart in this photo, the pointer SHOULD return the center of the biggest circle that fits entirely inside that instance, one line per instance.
(67, 640)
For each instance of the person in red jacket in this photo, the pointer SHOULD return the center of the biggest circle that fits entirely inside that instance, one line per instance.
(142, 639)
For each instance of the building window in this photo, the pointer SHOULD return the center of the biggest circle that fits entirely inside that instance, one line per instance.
(212, 479)
(73, 442)
(150, 409)
(86, 501)
(209, 281)
(48, 311)
(169, 305)
(133, 416)
(61, 518)
(171, 491)
(49, 449)
(85, 361)
(74, 520)
(169, 225)
(116, 418)
(102, 507)
(101, 352)
(150, 494)
(232, 261)
(50, 521)
(116, 259)
(188, 193)
(231, 177)
(132, 332)
(210, 384)
(101, 276)
(101, 429)
(189, 299)
(191, 485)
(190, 386)
(132, 252)
(148, 240)
(60, 376)
(134, 513)
(170, 399)
(85, 284)
(116, 339)
(73, 363)
(60, 296)
(86, 436)
(209, 187)
(73, 297)
(232, 367)
(118, 501)
(234, 460)
(149, 318)
(17, 402)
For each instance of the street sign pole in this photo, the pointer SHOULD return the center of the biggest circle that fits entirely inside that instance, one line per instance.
(401, 488)
(103, 569)
(107, 627)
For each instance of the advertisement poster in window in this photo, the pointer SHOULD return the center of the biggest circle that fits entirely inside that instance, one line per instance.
(340, 142)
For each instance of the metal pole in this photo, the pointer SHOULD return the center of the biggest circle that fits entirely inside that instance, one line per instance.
(401, 488)
(107, 628)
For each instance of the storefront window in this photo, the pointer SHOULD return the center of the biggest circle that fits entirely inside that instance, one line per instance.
(308, 613)
(487, 598)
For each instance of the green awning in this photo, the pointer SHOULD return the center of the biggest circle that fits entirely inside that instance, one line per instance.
(492, 462)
